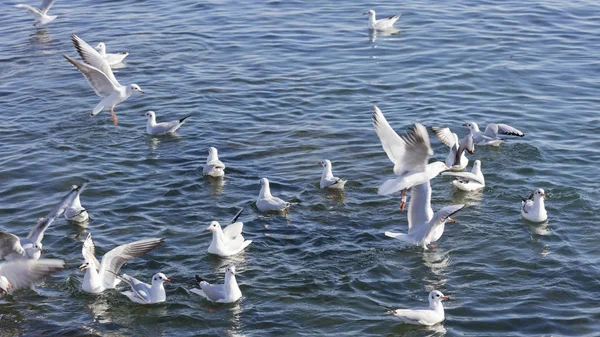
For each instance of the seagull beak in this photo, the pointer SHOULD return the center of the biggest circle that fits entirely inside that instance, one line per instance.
(142, 91)
(9, 287)
(83, 267)
(451, 220)
(446, 298)
(543, 195)
(168, 280)
(320, 163)
(464, 124)
(365, 13)
(207, 228)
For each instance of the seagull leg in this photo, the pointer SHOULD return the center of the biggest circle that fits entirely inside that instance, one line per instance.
(403, 202)
(114, 116)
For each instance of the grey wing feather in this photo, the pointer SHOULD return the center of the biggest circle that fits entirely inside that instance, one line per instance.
(37, 233)
(492, 130)
(89, 251)
(141, 289)
(464, 175)
(46, 5)
(10, 244)
(92, 57)
(98, 80)
(444, 135)
(114, 259)
(23, 273)
(214, 292)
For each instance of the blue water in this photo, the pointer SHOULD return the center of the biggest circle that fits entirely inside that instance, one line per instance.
(278, 87)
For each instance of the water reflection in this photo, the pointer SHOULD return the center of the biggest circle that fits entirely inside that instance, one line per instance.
(388, 32)
(217, 184)
(40, 35)
(467, 198)
(538, 228)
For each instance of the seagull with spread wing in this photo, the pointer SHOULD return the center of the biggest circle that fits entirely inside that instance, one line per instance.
(491, 135)
(99, 75)
(456, 159)
(40, 14)
(19, 274)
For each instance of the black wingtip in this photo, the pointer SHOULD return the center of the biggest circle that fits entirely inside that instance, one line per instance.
(389, 309)
(199, 279)
(183, 119)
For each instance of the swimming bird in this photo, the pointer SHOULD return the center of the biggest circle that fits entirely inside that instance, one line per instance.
(40, 14)
(491, 134)
(21, 274)
(431, 315)
(144, 293)
(266, 202)
(75, 212)
(533, 208)
(101, 276)
(456, 159)
(12, 247)
(99, 75)
(112, 58)
(409, 153)
(424, 227)
(157, 129)
(229, 240)
(468, 181)
(381, 24)
(228, 292)
(327, 178)
(213, 167)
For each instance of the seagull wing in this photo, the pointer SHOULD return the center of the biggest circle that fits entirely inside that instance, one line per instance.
(46, 4)
(89, 251)
(465, 175)
(141, 289)
(101, 84)
(441, 216)
(233, 230)
(492, 130)
(408, 152)
(419, 207)
(444, 135)
(10, 244)
(32, 10)
(23, 273)
(116, 258)
(37, 233)
(213, 292)
(92, 57)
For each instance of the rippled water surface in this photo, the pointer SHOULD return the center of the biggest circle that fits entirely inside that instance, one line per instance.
(277, 87)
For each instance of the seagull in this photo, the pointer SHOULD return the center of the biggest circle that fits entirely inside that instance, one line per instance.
(157, 129)
(21, 274)
(97, 72)
(409, 153)
(381, 24)
(30, 247)
(490, 135)
(228, 241)
(75, 212)
(101, 276)
(456, 159)
(144, 293)
(431, 315)
(266, 202)
(228, 292)
(112, 58)
(327, 178)
(424, 227)
(40, 14)
(214, 167)
(533, 207)
(468, 181)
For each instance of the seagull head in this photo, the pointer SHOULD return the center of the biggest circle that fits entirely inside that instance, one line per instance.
(100, 46)
(230, 270)
(472, 126)
(436, 297)
(437, 167)
(369, 12)
(539, 193)
(212, 151)
(135, 87)
(150, 114)
(160, 278)
(264, 182)
(213, 226)
(325, 163)
(5, 286)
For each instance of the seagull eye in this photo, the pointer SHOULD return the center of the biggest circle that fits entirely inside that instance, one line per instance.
(437, 295)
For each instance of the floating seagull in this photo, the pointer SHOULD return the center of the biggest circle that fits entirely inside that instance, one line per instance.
(266, 202)
(490, 135)
(381, 24)
(409, 153)
(533, 207)
(424, 227)
(327, 178)
(21, 274)
(144, 293)
(214, 167)
(228, 292)
(75, 212)
(423, 316)
(456, 159)
(13, 247)
(468, 181)
(112, 58)
(228, 241)
(40, 14)
(101, 276)
(157, 129)
(101, 78)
